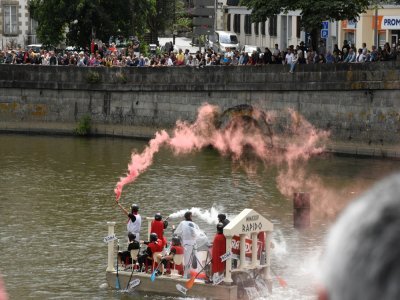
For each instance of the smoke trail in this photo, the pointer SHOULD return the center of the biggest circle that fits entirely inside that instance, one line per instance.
(243, 133)
(140, 162)
(210, 216)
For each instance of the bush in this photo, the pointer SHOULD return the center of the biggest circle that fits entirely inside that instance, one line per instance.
(84, 126)
(93, 77)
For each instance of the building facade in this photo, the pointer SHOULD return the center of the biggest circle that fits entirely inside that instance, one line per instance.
(374, 27)
(284, 29)
(17, 28)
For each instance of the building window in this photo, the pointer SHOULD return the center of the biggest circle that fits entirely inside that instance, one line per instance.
(10, 19)
(247, 24)
(289, 27)
(236, 23)
(273, 26)
(298, 26)
(263, 28)
(256, 30)
(228, 22)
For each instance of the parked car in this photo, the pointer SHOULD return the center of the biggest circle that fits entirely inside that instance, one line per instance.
(221, 40)
(250, 48)
(35, 47)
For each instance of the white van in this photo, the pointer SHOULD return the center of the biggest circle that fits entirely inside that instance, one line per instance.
(221, 40)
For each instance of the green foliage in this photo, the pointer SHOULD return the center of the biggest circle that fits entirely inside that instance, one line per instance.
(121, 77)
(84, 126)
(144, 49)
(76, 20)
(93, 77)
(312, 12)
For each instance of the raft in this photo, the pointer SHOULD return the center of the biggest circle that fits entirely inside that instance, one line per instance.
(242, 262)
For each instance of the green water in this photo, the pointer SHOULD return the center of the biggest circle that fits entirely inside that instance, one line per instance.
(56, 195)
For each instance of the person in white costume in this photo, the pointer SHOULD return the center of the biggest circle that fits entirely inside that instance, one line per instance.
(135, 220)
(187, 231)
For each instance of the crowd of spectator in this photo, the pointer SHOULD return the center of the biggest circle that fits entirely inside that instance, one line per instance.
(110, 56)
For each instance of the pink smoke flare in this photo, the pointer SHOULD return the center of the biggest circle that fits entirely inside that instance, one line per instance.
(245, 133)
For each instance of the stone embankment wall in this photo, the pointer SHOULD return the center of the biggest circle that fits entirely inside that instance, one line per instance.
(356, 102)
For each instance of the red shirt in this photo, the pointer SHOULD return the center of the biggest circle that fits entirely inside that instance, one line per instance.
(157, 227)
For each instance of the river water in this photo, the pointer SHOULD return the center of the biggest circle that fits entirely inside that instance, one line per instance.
(56, 195)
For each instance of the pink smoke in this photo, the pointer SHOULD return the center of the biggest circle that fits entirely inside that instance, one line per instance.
(246, 137)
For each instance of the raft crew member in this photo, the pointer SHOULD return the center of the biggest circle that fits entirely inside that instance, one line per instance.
(218, 249)
(135, 220)
(153, 246)
(158, 226)
(124, 257)
(222, 219)
(186, 230)
(176, 249)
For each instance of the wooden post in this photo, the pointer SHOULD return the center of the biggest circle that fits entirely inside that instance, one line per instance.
(148, 227)
(228, 264)
(301, 210)
(254, 248)
(110, 261)
(242, 251)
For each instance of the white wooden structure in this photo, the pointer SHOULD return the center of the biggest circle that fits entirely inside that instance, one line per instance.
(248, 223)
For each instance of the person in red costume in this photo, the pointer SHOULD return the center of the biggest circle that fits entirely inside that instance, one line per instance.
(153, 246)
(176, 249)
(218, 249)
(158, 226)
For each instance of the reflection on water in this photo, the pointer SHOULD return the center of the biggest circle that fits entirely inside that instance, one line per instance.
(57, 194)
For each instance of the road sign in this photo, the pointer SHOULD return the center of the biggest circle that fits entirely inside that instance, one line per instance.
(199, 21)
(198, 3)
(202, 31)
(203, 11)
(324, 33)
(325, 25)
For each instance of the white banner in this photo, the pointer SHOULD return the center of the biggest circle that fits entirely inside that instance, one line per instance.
(390, 22)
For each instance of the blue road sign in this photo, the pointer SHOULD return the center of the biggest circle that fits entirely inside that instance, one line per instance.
(325, 25)
(324, 33)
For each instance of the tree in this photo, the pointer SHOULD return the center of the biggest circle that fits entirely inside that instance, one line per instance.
(77, 21)
(312, 12)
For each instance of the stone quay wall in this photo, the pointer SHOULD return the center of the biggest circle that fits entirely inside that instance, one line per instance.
(358, 103)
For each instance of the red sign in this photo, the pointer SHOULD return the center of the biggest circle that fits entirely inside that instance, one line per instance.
(248, 244)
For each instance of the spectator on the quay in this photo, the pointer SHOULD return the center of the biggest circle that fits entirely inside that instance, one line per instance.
(267, 57)
(180, 58)
(320, 59)
(330, 59)
(336, 50)
(351, 57)
(346, 46)
(386, 52)
(393, 52)
(360, 58)
(276, 51)
(244, 58)
(52, 59)
(192, 61)
(81, 60)
(289, 57)
(310, 55)
(303, 48)
(364, 48)
(374, 54)
(187, 54)
(322, 48)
